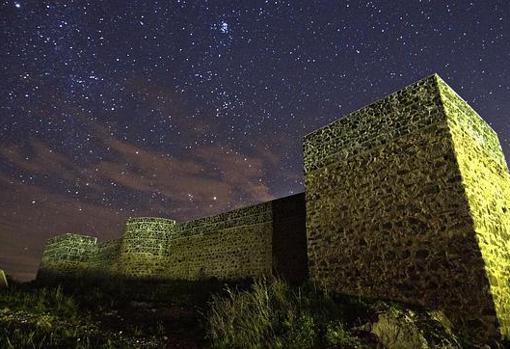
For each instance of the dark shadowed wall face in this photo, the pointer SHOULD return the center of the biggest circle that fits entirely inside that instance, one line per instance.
(182, 109)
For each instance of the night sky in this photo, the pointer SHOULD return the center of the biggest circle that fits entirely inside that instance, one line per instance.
(182, 109)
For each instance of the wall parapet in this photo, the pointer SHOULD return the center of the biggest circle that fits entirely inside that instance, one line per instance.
(71, 236)
(255, 214)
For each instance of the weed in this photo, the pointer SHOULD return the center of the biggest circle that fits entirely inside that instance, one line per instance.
(271, 314)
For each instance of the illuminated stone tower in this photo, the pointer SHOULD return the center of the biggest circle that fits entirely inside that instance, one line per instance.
(144, 247)
(409, 199)
(67, 254)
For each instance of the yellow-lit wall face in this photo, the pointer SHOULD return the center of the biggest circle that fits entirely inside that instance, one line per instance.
(219, 250)
(68, 254)
(486, 181)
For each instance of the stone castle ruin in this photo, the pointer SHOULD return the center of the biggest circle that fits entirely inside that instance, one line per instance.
(252, 241)
(406, 199)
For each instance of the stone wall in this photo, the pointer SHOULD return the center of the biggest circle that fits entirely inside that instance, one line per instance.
(251, 241)
(105, 259)
(391, 197)
(235, 244)
(67, 254)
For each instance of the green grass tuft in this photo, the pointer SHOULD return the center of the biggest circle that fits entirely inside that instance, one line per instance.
(273, 315)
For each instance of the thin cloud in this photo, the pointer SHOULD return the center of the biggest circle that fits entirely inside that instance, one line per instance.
(209, 180)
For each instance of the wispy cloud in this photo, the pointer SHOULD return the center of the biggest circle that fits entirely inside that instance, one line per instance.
(214, 177)
(209, 180)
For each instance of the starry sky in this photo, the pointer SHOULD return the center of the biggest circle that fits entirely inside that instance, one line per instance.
(181, 109)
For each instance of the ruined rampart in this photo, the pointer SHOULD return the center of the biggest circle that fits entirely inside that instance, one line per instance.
(406, 199)
(68, 254)
(246, 242)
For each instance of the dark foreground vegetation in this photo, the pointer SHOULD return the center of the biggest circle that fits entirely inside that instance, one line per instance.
(261, 314)
(105, 314)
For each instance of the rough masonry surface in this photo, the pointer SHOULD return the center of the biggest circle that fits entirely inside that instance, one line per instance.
(408, 199)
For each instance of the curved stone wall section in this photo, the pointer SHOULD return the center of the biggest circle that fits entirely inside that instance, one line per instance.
(67, 254)
(144, 246)
(390, 214)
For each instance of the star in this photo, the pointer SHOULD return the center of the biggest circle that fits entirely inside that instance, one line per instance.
(224, 28)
